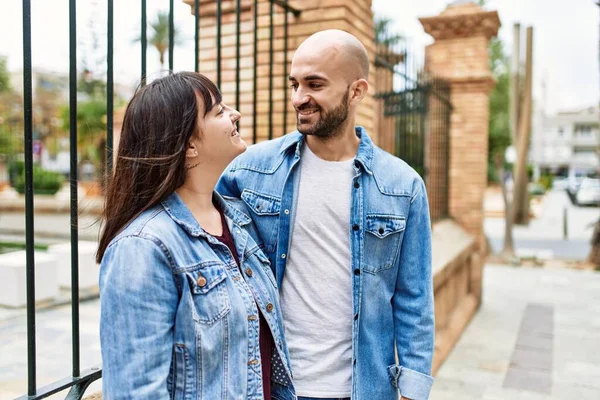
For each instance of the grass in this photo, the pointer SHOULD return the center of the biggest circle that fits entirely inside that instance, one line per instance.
(7, 247)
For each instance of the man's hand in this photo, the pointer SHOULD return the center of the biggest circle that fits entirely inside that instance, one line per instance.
(404, 398)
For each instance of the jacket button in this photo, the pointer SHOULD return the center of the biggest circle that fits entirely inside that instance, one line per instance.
(248, 272)
(201, 281)
(357, 271)
(355, 227)
(269, 307)
(356, 185)
(381, 231)
(354, 361)
(355, 317)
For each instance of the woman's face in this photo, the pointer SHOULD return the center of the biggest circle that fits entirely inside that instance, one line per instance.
(219, 138)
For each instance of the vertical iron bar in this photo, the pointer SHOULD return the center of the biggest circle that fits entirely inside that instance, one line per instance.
(28, 132)
(271, 12)
(255, 75)
(171, 34)
(237, 55)
(197, 35)
(144, 43)
(73, 181)
(219, 15)
(285, 68)
(109, 90)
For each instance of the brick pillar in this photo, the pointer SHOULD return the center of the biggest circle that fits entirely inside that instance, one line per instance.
(353, 16)
(460, 55)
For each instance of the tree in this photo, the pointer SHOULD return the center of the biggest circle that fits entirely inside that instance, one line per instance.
(4, 76)
(159, 35)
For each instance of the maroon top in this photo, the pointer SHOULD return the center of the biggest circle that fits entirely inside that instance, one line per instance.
(266, 341)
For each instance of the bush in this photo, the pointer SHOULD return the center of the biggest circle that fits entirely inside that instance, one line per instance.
(44, 182)
(546, 181)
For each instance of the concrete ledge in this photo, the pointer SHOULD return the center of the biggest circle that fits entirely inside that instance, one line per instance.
(13, 288)
(456, 266)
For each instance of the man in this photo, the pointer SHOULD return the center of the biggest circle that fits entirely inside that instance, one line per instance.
(346, 228)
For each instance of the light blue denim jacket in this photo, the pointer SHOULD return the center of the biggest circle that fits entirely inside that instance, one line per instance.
(390, 236)
(178, 319)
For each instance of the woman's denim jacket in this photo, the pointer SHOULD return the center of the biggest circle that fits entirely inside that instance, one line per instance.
(178, 319)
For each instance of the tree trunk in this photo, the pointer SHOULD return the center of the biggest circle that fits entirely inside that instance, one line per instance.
(508, 250)
(521, 196)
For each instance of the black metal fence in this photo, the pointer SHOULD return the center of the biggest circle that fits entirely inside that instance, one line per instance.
(81, 379)
(415, 110)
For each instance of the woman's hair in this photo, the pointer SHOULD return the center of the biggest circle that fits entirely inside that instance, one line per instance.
(159, 122)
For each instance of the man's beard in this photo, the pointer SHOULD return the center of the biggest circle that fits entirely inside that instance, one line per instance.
(330, 123)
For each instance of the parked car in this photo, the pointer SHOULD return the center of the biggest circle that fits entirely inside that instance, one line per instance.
(589, 192)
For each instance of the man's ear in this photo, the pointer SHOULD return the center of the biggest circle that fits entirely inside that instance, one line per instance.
(359, 90)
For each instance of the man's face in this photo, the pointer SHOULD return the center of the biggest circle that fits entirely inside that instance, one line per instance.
(319, 94)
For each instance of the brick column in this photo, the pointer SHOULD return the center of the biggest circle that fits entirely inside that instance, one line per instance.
(460, 55)
(353, 16)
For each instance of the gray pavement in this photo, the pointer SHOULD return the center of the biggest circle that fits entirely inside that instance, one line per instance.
(544, 235)
(535, 337)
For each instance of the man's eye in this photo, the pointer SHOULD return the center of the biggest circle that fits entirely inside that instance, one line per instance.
(316, 85)
(220, 111)
(294, 86)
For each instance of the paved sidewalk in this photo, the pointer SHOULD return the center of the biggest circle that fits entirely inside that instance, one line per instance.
(544, 236)
(535, 337)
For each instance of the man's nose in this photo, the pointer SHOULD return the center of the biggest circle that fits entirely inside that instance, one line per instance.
(299, 98)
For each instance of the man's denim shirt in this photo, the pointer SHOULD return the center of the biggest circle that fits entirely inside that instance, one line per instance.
(390, 240)
(191, 317)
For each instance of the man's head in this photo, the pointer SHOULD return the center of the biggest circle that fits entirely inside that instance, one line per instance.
(328, 79)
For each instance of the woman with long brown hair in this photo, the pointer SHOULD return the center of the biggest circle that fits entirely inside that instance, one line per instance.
(189, 305)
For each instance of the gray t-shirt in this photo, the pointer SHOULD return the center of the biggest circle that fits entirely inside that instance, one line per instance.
(316, 293)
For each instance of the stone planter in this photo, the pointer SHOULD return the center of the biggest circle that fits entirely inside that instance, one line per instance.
(88, 269)
(13, 284)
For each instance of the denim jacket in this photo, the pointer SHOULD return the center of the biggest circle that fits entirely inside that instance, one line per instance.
(178, 319)
(390, 238)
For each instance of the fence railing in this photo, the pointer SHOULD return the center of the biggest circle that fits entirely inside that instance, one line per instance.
(81, 379)
(415, 116)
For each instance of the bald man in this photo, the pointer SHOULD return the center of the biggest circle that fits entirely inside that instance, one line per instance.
(346, 228)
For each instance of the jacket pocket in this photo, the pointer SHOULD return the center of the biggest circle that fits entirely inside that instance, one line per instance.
(265, 210)
(209, 293)
(383, 239)
(261, 204)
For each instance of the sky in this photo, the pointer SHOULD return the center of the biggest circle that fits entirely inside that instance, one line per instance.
(565, 39)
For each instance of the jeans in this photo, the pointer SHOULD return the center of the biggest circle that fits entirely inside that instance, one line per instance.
(315, 398)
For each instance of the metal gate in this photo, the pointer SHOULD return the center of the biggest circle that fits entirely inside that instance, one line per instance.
(81, 379)
(414, 116)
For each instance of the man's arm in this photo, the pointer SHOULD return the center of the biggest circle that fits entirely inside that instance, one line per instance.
(413, 302)
(227, 186)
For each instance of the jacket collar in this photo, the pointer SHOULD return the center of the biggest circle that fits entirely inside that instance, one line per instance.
(364, 156)
(181, 214)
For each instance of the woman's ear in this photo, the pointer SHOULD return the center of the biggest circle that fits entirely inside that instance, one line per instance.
(191, 151)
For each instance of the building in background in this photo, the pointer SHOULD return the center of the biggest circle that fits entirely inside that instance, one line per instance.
(566, 143)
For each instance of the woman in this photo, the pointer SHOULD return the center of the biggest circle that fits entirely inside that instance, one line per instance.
(189, 306)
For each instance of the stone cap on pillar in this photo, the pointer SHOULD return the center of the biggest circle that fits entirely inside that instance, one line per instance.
(462, 18)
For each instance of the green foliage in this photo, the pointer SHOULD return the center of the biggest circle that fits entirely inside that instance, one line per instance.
(44, 182)
(91, 126)
(4, 76)
(499, 123)
(547, 180)
(159, 35)
(382, 32)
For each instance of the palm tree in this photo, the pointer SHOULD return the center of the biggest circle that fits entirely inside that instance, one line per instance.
(159, 35)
